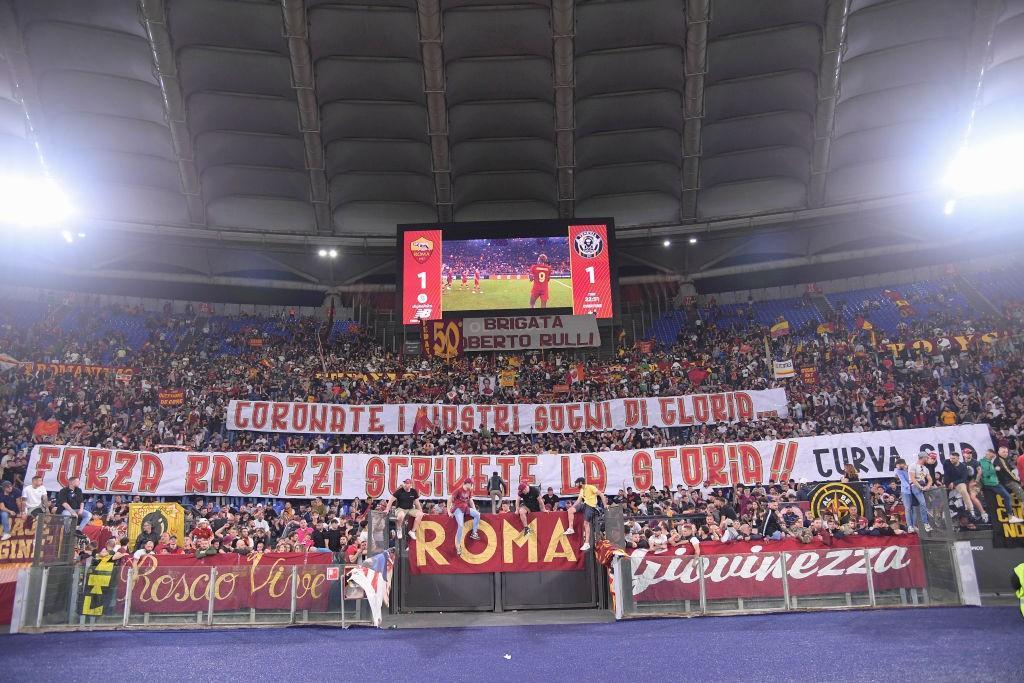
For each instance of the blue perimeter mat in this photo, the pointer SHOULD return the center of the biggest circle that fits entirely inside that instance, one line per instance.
(936, 644)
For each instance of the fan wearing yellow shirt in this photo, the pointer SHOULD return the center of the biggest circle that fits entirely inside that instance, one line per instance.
(586, 503)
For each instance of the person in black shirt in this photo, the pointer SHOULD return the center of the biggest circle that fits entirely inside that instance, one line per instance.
(497, 489)
(71, 503)
(550, 500)
(332, 535)
(768, 523)
(11, 505)
(148, 533)
(407, 503)
(529, 501)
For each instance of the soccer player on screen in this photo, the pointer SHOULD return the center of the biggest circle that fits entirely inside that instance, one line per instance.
(540, 273)
(464, 279)
(450, 278)
(476, 281)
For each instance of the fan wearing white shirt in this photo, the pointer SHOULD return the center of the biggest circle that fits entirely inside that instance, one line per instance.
(36, 501)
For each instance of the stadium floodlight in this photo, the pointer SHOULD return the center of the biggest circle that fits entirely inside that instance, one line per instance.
(693, 240)
(30, 201)
(989, 167)
(333, 253)
(667, 243)
(81, 235)
(68, 237)
(950, 207)
(322, 253)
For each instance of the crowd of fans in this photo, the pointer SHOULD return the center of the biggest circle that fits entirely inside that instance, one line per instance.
(504, 256)
(861, 385)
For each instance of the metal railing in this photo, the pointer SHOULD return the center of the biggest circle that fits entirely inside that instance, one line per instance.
(99, 597)
(746, 583)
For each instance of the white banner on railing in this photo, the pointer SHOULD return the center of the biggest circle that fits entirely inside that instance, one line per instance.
(518, 332)
(513, 418)
(304, 475)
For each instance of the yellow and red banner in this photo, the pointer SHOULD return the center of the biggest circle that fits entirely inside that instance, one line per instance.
(169, 398)
(502, 546)
(121, 374)
(898, 300)
(441, 338)
(780, 329)
(169, 517)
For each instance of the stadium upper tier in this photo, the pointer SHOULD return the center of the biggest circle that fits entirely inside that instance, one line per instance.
(926, 299)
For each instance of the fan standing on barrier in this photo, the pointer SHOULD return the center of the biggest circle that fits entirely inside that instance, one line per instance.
(529, 501)
(406, 501)
(586, 503)
(912, 491)
(461, 504)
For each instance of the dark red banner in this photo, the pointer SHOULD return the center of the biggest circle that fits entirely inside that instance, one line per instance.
(181, 583)
(502, 547)
(752, 569)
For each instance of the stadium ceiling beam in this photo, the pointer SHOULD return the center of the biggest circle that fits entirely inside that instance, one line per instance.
(122, 255)
(695, 66)
(647, 262)
(372, 270)
(705, 228)
(273, 260)
(836, 12)
(188, 278)
(12, 48)
(830, 257)
(431, 36)
(377, 241)
(563, 73)
(296, 31)
(731, 251)
(154, 19)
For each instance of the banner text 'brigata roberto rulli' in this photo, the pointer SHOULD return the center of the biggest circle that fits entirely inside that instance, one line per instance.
(514, 418)
(348, 475)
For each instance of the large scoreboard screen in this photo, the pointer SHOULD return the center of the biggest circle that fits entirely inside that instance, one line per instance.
(506, 266)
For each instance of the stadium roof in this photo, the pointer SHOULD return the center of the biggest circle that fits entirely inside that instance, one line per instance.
(296, 123)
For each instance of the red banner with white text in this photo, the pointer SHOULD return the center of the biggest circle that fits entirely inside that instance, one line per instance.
(181, 583)
(753, 569)
(502, 546)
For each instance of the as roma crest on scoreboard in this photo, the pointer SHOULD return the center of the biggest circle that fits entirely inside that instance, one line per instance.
(441, 338)
(844, 502)
(421, 249)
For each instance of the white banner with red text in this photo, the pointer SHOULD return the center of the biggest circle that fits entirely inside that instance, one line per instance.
(348, 475)
(513, 418)
(520, 332)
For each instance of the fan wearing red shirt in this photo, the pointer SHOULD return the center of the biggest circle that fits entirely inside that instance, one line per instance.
(461, 505)
(1020, 466)
(202, 530)
(540, 273)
